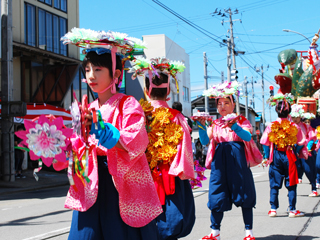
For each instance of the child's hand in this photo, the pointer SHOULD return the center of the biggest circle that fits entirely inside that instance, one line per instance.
(88, 118)
(202, 121)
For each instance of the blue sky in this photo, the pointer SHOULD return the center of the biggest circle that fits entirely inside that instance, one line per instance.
(259, 33)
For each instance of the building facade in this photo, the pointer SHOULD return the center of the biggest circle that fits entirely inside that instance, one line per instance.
(45, 70)
(162, 46)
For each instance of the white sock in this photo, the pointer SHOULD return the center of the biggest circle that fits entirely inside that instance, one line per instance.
(249, 232)
(273, 209)
(215, 232)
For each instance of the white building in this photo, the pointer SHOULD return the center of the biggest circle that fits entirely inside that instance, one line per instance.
(162, 46)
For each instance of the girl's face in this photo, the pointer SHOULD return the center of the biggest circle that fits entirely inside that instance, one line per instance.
(296, 120)
(307, 121)
(97, 77)
(225, 106)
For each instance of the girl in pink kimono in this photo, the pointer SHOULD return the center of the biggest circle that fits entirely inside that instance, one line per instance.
(120, 201)
(230, 155)
(306, 163)
(281, 155)
(171, 179)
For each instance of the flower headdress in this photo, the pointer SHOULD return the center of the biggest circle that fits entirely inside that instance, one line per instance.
(102, 42)
(154, 66)
(297, 110)
(308, 116)
(286, 98)
(222, 90)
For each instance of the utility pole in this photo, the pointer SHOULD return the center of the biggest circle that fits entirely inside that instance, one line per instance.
(7, 141)
(252, 83)
(263, 111)
(229, 61)
(246, 96)
(233, 56)
(222, 77)
(206, 107)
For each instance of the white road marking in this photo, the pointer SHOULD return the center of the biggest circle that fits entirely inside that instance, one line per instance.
(4, 209)
(49, 234)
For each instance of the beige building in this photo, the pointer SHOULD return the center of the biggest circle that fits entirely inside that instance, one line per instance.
(45, 70)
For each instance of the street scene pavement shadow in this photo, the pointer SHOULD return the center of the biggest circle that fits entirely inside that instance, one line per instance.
(287, 237)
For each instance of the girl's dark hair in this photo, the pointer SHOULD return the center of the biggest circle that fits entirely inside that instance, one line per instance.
(157, 92)
(283, 113)
(103, 60)
(233, 99)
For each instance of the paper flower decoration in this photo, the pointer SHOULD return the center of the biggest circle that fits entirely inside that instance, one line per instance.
(197, 182)
(229, 117)
(222, 90)
(297, 110)
(87, 38)
(201, 115)
(164, 136)
(283, 134)
(76, 117)
(273, 100)
(46, 139)
(308, 116)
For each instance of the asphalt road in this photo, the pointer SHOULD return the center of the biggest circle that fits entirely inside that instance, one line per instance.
(41, 215)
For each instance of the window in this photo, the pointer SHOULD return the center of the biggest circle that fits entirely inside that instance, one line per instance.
(61, 5)
(51, 29)
(49, 2)
(63, 31)
(49, 35)
(30, 25)
(185, 94)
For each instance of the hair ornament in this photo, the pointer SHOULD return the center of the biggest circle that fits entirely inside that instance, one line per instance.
(297, 110)
(102, 42)
(142, 66)
(222, 90)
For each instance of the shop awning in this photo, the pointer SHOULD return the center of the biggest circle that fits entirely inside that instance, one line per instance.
(35, 110)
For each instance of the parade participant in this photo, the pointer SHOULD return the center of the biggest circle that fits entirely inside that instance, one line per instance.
(296, 114)
(309, 163)
(120, 200)
(278, 140)
(230, 155)
(169, 152)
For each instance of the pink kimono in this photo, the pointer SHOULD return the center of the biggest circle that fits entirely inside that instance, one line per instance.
(310, 134)
(138, 200)
(182, 165)
(217, 134)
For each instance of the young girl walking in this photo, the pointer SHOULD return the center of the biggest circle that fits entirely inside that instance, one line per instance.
(119, 201)
(230, 155)
(279, 140)
(169, 152)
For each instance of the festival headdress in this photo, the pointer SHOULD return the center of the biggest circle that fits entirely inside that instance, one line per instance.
(222, 90)
(154, 66)
(102, 42)
(286, 99)
(297, 110)
(308, 116)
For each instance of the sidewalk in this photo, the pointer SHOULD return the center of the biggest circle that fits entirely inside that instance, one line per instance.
(47, 179)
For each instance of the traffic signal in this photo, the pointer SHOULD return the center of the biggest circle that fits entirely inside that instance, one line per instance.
(234, 76)
(271, 90)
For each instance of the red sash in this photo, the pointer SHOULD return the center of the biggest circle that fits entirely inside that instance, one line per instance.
(164, 183)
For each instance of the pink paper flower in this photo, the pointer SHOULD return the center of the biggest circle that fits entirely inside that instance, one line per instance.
(46, 139)
(229, 117)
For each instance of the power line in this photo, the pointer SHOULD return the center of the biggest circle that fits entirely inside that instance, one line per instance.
(198, 28)
(266, 50)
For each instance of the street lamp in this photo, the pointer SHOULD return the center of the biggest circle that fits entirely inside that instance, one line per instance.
(287, 30)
